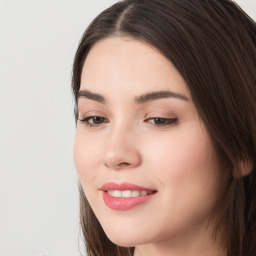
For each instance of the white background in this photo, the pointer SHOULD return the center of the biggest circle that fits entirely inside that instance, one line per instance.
(38, 182)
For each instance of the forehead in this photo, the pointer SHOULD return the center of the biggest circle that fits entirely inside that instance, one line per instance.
(130, 65)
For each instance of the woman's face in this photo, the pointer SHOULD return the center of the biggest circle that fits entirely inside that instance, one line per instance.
(144, 158)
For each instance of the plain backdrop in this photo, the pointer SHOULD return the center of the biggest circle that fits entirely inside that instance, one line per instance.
(38, 182)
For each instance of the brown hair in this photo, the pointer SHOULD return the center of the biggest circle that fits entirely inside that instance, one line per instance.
(212, 43)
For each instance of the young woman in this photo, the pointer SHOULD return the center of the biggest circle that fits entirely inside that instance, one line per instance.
(165, 148)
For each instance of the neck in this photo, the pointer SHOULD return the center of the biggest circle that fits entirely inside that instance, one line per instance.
(185, 245)
(167, 251)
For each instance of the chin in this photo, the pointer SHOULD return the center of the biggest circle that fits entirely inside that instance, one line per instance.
(124, 239)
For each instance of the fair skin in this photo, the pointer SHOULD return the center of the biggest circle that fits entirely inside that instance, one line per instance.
(156, 141)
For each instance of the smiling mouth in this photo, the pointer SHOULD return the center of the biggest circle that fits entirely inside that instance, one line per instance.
(126, 199)
(125, 196)
(128, 193)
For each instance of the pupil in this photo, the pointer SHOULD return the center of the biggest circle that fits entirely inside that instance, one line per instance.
(97, 120)
(159, 120)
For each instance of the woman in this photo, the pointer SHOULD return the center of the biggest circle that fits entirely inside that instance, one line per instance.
(165, 144)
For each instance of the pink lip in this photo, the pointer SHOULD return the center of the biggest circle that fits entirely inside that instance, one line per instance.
(119, 203)
(123, 186)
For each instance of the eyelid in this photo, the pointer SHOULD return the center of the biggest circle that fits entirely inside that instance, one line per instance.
(90, 113)
(85, 117)
(161, 119)
(160, 114)
(89, 122)
(162, 122)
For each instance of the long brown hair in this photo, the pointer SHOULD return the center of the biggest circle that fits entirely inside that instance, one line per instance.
(212, 43)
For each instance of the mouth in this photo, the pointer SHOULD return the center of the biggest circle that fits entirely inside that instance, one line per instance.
(129, 193)
(125, 196)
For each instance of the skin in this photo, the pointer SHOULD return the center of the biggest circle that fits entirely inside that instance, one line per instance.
(177, 159)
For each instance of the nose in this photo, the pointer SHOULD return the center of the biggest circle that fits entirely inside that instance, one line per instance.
(121, 150)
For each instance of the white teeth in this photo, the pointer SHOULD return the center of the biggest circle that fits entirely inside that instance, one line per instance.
(111, 192)
(117, 193)
(135, 193)
(143, 193)
(128, 193)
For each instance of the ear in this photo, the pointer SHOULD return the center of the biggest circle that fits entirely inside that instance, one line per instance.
(245, 168)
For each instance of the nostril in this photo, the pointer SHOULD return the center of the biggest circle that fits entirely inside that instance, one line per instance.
(118, 166)
(124, 163)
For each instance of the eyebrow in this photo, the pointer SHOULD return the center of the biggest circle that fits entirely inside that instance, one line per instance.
(159, 95)
(91, 96)
(139, 100)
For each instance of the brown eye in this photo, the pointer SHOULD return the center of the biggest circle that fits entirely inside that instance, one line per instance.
(160, 121)
(94, 120)
(97, 119)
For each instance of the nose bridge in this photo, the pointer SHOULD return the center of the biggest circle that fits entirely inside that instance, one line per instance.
(121, 150)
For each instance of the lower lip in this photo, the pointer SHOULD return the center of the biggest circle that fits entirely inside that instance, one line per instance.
(122, 203)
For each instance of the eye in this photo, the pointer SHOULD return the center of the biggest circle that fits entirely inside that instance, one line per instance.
(161, 122)
(93, 121)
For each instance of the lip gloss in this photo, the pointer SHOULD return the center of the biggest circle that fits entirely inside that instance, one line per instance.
(125, 203)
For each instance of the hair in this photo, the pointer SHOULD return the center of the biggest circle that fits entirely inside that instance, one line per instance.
(212, 43)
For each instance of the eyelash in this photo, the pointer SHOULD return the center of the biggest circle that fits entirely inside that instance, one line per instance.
(86, 121)
(163, 122)
(158, 121)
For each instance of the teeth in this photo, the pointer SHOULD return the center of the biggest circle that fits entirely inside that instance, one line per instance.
(143, 193)
(117, 193)
(135, 193)
(128, 193)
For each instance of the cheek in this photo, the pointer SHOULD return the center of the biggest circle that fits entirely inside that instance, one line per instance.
(184, 167)
(85, 159)
(183, 158)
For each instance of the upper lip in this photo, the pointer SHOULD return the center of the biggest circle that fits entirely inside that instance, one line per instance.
(123, 186)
